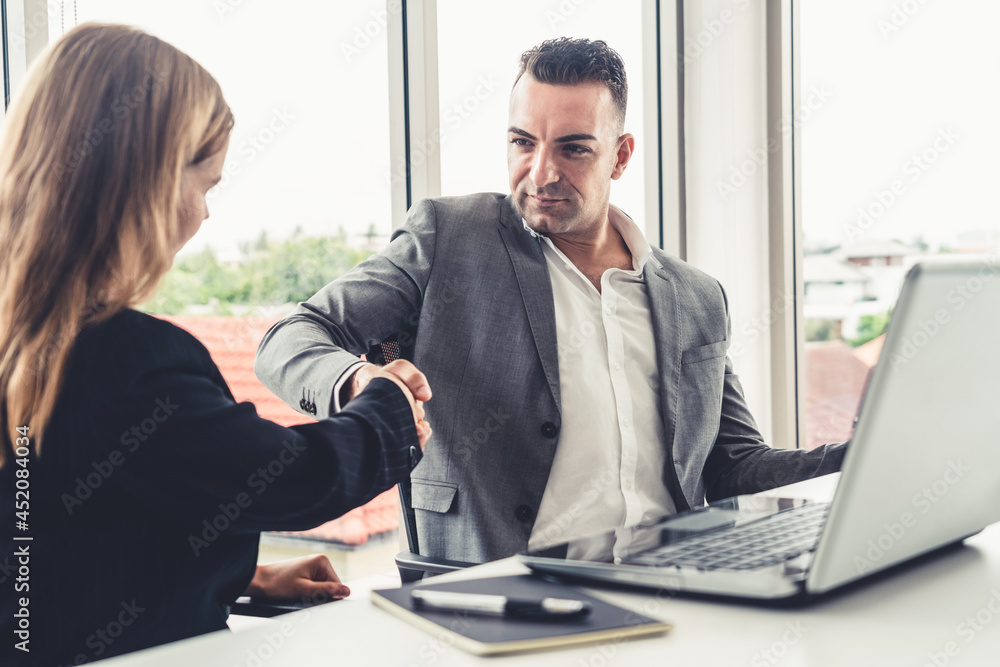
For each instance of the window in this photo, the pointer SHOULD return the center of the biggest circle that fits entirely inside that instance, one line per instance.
(897, 165)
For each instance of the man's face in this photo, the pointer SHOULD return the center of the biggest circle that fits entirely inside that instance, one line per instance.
(563, 150)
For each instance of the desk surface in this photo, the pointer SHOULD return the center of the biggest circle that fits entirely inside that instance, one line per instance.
(940, 611)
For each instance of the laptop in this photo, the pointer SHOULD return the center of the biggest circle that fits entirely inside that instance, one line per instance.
(922, 470)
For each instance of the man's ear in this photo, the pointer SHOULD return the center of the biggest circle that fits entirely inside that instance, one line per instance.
(623, 153)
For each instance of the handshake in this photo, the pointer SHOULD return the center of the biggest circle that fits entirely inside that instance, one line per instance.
(407, 377)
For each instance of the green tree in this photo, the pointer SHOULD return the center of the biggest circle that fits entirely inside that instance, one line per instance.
(870, 328)
(273, 272)
(819, 330)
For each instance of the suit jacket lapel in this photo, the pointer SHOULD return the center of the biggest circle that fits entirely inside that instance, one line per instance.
(536, 290)
(666, 329)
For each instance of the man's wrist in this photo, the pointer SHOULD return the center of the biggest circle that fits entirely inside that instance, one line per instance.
(344, 389)
(349, 389)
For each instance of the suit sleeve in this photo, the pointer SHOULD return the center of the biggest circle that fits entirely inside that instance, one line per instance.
(193, 454)
(741, 462)
(309, 351)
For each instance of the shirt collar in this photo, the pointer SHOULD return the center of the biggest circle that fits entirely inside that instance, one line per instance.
(637, 244)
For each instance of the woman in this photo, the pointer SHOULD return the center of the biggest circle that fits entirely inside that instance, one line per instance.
(143, 485)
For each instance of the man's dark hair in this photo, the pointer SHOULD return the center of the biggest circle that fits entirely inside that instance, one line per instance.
(568, 62)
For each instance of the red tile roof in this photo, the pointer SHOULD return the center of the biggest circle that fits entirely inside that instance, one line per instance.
(232, 342)
(870, 351)
(835, 380)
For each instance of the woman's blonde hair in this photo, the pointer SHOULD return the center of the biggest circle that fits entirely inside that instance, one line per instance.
(91, 157)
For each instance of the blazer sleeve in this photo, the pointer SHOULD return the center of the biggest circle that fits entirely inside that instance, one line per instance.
(741, 462)
(309, 351)
(193, 454)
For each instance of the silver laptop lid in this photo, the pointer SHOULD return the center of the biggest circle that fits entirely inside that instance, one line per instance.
(923, 468)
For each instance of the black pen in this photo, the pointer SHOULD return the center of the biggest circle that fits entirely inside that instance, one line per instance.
(541, 609)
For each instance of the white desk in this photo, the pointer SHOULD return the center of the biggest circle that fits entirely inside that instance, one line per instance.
(910, 617)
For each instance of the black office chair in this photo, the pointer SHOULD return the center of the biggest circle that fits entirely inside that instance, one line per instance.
(411, 564)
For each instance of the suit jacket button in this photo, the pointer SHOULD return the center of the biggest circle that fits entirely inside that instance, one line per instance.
(549, 430)
(523, 513)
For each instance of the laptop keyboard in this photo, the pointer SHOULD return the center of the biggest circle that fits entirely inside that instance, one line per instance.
(772, 540)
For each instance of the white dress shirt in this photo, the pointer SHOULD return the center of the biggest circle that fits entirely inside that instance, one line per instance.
(610, 457)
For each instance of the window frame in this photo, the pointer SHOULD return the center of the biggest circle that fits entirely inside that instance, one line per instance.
(785, 223)
(25, 27)
(784, 378)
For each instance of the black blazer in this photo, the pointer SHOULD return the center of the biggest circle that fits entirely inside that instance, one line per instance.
(153, 487)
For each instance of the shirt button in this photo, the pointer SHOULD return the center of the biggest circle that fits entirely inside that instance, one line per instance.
(549, 430)
(628, 485)
(627, 422)
(618, 366)
(523, 513)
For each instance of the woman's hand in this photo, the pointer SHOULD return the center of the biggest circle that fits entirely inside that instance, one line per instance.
(306, 578)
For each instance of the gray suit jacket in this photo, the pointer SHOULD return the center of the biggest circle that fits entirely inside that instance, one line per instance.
(465, 290)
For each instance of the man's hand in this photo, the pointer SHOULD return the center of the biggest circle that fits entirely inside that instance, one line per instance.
(410, 380)
(310, 577)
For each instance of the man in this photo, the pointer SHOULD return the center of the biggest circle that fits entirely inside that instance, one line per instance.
(580, 377)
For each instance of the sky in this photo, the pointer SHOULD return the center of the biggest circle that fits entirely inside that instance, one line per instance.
(915, 96)
(905, 145)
